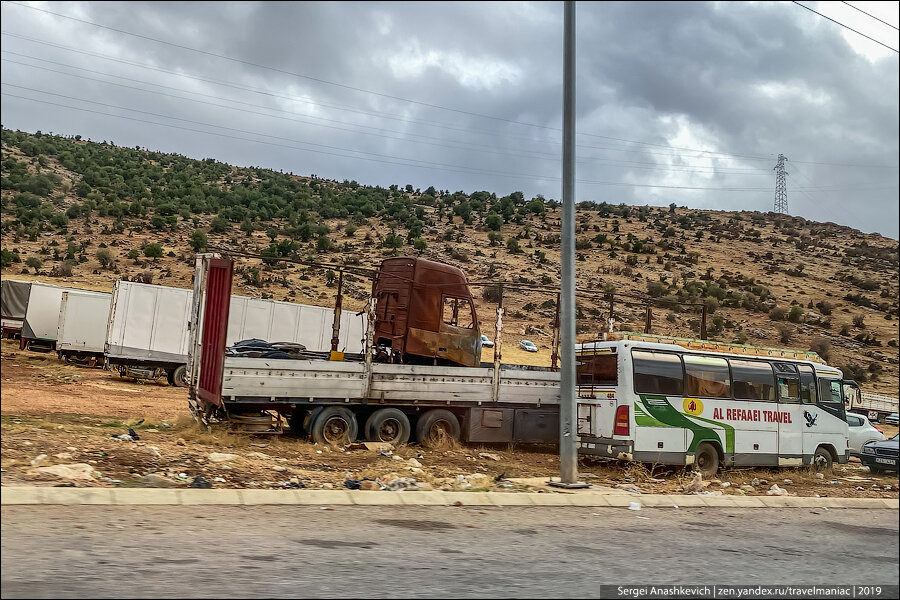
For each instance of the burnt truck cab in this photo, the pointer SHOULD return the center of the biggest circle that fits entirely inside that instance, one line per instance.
(424, 312)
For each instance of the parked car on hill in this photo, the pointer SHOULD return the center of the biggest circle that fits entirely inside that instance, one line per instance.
(486, 342)
(892, 419)
(528, 346)
(861, 432)
(881, 456)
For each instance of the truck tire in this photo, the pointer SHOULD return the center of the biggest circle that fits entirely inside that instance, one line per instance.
(437, 428)
(388, 425)
(706, 459)
(334, 426)
(178, 376)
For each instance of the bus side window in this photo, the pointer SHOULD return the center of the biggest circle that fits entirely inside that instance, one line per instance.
(706, 377)
(597, 369)
(807, 384)
(753, 380)
(657, 373)
(788, 382)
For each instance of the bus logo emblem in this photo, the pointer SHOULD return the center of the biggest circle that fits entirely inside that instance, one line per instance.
(693, 406)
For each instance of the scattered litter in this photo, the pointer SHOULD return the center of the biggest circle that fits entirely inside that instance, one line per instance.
(381, 447)
(131, 436)
(293, 483)
(403, 483)
(634, 506)
(696, 484)
(724, 484)
(326, 508)
(676, 506)
(388, 453)
(789, 481)
(219, 479)
(860, 489)
(824, 508)
(200, 483)
(820, 476)
(488, 456)
(777, 491)
(318, 452)
(38, 459)
(352, 484)
(640, 517)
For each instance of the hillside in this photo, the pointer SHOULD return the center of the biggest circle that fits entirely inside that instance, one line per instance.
(87, 214)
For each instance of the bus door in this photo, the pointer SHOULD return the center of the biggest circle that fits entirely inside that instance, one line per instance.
(789, 415)
(753, 420)
(825, 422)
(597, 373)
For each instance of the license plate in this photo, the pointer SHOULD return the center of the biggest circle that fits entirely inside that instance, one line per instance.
(886, 461)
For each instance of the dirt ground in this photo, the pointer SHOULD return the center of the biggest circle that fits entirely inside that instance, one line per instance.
(70, 413)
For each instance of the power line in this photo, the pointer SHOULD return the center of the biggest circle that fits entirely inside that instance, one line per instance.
(868, 15)
(249, 63)
(306, 99)
(372, 156)
(463, 146)
(846, 27)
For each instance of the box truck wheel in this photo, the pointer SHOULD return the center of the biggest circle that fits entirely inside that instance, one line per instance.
(178, 376)
(437, 428)
(388, 425)
(334, 426)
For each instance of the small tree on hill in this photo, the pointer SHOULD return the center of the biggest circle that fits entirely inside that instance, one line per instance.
(153, 251)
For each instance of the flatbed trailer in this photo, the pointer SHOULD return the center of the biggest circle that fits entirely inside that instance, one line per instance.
(336, 401)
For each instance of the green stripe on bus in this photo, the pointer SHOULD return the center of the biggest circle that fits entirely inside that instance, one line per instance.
(669, 415)
(642, 419)
(729, 432)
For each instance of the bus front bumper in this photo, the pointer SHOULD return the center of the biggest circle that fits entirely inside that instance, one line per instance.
(619, 449)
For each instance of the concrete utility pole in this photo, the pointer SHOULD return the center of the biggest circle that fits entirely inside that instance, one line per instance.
(780, 186)
(568, 423)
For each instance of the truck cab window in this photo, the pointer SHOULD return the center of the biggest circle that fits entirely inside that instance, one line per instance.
(458, 312)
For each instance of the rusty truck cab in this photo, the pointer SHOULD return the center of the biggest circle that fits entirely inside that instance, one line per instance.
(424, 310)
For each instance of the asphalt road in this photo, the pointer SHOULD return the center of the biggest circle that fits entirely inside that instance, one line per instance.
(439, 552)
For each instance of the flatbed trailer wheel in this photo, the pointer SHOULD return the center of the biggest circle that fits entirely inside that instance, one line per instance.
(438, 428)
(334, 426)
(178, 376)
(388, 425)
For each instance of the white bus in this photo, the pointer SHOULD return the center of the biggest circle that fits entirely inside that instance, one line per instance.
(708, 405)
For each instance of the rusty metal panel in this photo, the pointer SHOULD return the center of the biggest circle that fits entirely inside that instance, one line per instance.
(410, 294)
(490, 424)
(536, 426)
(217, 301)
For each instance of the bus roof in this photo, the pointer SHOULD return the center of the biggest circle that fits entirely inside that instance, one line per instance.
(711, 349)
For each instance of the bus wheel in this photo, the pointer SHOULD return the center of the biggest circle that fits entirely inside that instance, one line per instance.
(334, 426)
(822, 460)
(706, 459)
(437, 428)
(388, 425)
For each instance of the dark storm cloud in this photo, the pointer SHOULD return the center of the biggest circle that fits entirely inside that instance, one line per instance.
(752, 80)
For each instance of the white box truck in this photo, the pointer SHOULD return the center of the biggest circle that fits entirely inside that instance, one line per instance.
(41, 323)
(81, 333)
(148, 333)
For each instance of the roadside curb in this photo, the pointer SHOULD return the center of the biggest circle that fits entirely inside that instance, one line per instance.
(33, 495)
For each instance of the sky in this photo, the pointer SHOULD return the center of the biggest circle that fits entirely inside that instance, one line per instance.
(685, 102)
